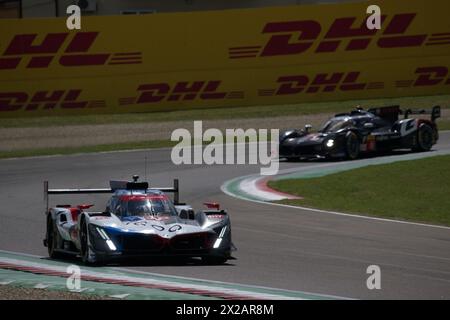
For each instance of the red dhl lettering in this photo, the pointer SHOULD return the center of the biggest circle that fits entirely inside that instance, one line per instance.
(341, 81)
(321, 82)
(431, 76)
(41, 55)
(43, 100)
(296, 37)
(184, 91)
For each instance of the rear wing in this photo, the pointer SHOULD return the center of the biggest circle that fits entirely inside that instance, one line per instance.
(391, 113)
(129, 186)
(435, 112)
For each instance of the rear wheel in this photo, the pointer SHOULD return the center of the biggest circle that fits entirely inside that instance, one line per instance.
(351, 145)
(424, 138)
(53, 239)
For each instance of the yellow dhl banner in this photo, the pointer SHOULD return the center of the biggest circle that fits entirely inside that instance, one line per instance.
(223, 58)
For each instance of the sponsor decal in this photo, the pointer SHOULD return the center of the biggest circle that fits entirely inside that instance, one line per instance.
(326, 82)
(46, 100)
(344, 34)
(180, 91)
(64, 48)
(209, 90)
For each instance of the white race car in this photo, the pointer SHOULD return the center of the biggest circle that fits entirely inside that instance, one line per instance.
(138, 222)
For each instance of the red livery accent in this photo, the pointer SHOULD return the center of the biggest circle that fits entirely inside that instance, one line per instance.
(212, 205)
(75, 212)
(84, 206)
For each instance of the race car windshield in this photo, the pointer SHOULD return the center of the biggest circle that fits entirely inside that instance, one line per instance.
(150, 207)
(334, 125)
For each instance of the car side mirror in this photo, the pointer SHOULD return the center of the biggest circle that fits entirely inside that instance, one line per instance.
(187, 214)
(308, 128)
(183, 214)
(369, 125)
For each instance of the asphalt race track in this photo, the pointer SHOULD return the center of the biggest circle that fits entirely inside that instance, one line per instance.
(277, 247)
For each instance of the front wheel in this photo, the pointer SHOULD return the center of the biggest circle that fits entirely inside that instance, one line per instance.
(87, 256)
(351, 145)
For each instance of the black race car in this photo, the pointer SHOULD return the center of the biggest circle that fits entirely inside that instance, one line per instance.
(347, 135)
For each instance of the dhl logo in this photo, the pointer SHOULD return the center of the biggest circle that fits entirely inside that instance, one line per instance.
(180, 91)
(74, 54)
(321, 82)
(46, 100)
(343, 34)
(348, 81)
(209, 90)
(431, 76)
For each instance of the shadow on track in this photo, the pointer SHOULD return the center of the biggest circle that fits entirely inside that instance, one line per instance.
(144, 262)
(361, 157)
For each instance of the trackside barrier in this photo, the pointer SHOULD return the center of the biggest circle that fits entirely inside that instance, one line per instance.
(118, 64)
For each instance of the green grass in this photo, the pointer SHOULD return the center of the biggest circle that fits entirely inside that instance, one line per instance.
(416, 190)
(86, 149)
(225, 113)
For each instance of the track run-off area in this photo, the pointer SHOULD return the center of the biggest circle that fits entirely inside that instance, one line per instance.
(283, 252)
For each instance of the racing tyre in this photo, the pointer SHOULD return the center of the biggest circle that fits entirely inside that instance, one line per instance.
(53, 239)
(351, 145)
(425, 138)
(86, 253)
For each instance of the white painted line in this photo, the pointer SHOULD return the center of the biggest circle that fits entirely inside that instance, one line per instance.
(197, 279)
(261, 194)
(232, 284)
(119, 296)
(41, 286)
(189, 286)
(224, 190)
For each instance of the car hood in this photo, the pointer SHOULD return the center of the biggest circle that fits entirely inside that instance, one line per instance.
(166, 228)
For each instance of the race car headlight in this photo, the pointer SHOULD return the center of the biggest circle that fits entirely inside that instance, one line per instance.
(329, 143)
(219, 239)
(101, 237)
(111, 245)
(217, 243)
